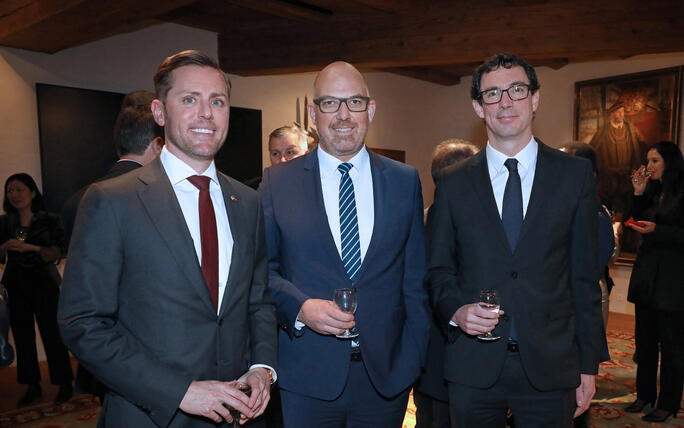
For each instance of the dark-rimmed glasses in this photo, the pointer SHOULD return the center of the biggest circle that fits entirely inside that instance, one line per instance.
(516, 92)
(354, 104)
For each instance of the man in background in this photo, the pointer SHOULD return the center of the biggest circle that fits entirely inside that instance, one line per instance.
(430, 394)
(284, 144)
(138, 140)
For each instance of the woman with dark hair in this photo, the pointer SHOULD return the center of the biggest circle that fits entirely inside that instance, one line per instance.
(657, 284)
(32, 241)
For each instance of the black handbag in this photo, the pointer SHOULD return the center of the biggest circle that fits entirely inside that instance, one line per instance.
(6, 351)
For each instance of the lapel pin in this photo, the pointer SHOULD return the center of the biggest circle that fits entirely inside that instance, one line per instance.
(233, 198)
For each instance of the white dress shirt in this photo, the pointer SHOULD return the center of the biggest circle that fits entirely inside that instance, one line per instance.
(498, 173)
(362, 179)
(188, 198)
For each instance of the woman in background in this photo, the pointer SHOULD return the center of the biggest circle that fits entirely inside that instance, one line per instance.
(657, 283)
(32, 241)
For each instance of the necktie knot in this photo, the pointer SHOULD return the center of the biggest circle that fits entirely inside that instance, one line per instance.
(200, 181)
(511, 164)
(344, 167)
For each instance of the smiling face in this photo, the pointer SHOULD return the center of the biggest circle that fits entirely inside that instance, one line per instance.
(195, 115)
(508, 122)
(655, 164)
(342, 133)
(19, 195)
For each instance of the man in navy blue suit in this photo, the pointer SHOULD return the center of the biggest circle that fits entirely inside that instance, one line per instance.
(344, 217)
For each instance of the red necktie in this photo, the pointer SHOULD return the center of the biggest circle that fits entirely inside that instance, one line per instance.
(208, 236)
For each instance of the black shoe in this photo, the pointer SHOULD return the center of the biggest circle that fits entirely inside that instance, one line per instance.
(658, 415)
(32, 393)
(64, 394)
(637, 406)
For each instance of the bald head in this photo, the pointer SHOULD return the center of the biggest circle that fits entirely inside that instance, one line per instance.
(338, 71)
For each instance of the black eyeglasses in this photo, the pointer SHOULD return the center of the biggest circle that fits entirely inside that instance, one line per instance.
(516, 92)
(332, 104)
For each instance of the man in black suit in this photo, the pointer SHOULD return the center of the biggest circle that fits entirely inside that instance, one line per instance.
(519, 217)
(138, 141)
(165, 291)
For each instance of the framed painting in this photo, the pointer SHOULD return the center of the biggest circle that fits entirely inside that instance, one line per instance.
(621, 117)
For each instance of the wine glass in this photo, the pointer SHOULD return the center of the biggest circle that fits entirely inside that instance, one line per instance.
(21, 233)
(345, 299)
(489, 300)
(235, 414)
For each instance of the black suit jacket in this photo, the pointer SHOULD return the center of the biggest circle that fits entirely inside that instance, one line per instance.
(135, 309)
(548, 284)
(71, 205)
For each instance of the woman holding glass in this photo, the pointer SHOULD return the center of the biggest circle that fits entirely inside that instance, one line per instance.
(656, 286)
(32, 241)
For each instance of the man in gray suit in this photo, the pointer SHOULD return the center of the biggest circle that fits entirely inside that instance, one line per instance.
(165, 292)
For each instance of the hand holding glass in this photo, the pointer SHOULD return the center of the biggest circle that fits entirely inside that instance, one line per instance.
(345, 299)
(489, 300)
(235, 414)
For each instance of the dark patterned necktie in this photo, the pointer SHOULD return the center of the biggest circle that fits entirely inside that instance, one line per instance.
(349, 224)
(208, 236)
(512, 210)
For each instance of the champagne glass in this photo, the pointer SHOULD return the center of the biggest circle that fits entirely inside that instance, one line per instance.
(489, 300)
(21, 233)
(345, 299)
(235, 414)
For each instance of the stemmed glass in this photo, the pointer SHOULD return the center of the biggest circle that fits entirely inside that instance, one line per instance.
(235, 414)
(21, 233)
(345, 299)
(489, 300)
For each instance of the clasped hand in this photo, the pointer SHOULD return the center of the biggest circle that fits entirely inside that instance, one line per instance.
(211, 399)
(324, 317)
(16, 245)
(474, 320)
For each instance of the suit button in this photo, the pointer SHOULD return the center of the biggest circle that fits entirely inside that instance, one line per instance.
(514, 275)
(220, 322)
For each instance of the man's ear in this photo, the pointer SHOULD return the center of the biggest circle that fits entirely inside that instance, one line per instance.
(479, 110)
(371, 110)
(312, 112)
(158, 112)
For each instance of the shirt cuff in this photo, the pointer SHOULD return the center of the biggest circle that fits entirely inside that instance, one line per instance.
(451, 322)
(274, 375)
(298, 325)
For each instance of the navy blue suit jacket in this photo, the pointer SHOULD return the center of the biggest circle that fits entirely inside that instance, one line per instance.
(392, 314)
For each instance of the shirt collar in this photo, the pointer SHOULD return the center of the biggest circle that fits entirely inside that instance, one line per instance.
(177, 170)
(526, 157)
(329, 163)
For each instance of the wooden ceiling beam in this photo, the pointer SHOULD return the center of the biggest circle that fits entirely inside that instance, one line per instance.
(77, 22)
(428, 74)
(577, 29)
(286, 10)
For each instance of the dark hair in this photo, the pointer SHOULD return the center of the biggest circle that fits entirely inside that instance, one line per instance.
(138, 99)
(37, 202)
(583, 150)
(505, 61)
(134, 130)
(448, 153)
(673, 171)
(163, 80)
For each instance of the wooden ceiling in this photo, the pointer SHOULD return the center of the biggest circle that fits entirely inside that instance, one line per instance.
(434, 40)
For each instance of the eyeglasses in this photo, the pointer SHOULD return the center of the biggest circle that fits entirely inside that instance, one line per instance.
(516, 92)
(332, 104)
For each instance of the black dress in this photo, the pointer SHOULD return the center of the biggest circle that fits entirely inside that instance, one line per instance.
(657, 290)
(33, 287)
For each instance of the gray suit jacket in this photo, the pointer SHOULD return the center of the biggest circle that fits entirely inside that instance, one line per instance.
(135, 309)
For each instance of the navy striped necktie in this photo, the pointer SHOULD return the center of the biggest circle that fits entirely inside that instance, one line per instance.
(349, 224)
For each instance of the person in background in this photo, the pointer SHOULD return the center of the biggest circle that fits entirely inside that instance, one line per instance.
(32, 243)
(430, 394)
(284, 144)
(138, 141)
(655, 286)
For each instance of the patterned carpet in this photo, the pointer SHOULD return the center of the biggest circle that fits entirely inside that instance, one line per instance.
(615, 388)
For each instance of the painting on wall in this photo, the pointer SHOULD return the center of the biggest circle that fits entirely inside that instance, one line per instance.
(621, 117)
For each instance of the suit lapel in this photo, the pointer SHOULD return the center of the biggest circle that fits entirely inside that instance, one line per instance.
(319, 218)
(541, 188)
(482, 184)
(380, 202)
(161, 204)
(236, 214)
